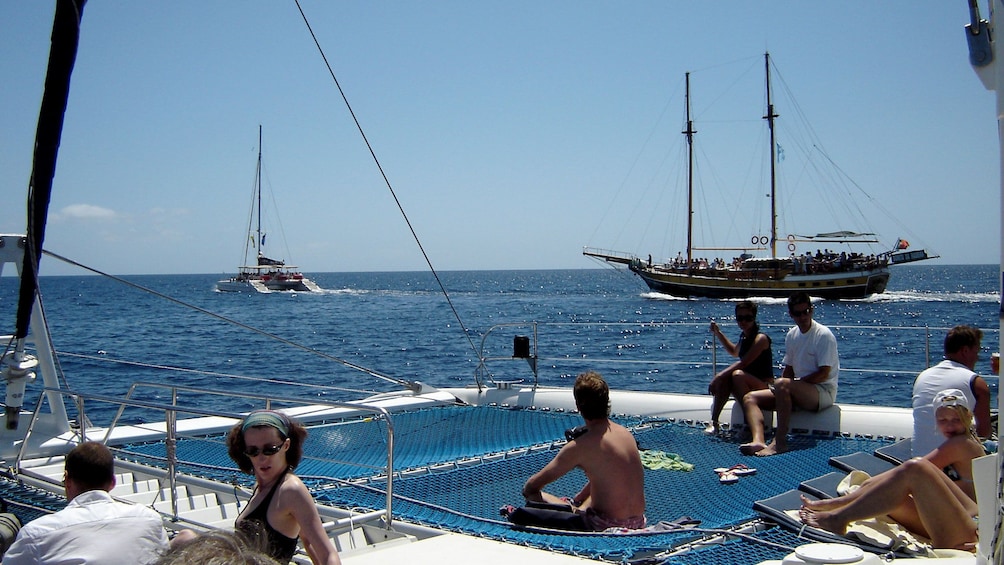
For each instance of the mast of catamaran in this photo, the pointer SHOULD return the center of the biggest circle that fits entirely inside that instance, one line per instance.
(17, 365)
(259, 241)
(773, 160)
(689, 132)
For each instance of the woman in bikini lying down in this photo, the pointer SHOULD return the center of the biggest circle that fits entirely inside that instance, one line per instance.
(932, 496)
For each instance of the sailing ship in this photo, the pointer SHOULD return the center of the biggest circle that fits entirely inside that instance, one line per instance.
(265, 274)
(822, 274)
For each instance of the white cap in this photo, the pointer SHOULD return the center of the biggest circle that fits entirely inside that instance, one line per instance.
(951, 397)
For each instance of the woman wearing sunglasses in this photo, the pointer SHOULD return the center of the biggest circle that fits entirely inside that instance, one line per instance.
(752, 371)
(269, 445)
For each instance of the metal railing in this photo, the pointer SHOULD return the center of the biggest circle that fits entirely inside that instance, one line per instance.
(172, 409)
(704, 357)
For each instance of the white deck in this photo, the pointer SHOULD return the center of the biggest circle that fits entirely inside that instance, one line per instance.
(456, 548)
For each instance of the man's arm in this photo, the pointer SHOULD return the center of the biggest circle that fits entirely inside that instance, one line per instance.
(982, 410)
(23, 550)
(820, 375)
(562, 463)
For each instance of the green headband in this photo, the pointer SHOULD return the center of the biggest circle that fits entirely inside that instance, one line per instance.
(266, 418)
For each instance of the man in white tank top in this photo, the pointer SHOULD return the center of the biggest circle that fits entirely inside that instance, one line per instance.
(962, 348)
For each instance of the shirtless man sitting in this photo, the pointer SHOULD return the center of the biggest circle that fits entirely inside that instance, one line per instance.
(614, 493)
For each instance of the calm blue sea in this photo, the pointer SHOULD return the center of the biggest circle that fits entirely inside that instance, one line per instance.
(400, 326)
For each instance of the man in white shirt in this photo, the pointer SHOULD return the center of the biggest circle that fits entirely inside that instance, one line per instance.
(808, 381)
(93, 528)
(962, 349)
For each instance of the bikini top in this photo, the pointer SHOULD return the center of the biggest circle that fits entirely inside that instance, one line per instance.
(280, 547)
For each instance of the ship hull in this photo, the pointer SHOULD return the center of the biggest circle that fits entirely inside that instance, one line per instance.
(739, 284)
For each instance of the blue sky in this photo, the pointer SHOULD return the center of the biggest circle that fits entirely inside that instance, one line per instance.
(514, 133)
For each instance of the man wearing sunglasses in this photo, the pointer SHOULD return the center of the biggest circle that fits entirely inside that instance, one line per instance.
(808, 381)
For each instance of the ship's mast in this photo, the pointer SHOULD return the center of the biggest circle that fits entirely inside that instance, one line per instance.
(689, 132)
(773, 160)
(259, 241)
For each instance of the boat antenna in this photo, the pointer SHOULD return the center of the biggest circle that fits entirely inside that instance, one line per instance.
(773, 160)
(390, 187)
(689, 132)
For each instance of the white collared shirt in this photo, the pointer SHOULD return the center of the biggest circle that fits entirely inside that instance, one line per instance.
(93, 528)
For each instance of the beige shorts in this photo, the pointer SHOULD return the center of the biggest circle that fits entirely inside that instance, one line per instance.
(827, 396)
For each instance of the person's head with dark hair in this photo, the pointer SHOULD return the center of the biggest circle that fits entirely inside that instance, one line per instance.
(219, 547)
(746, 311)
(747, 305)
(88, 466)
(798, 298)
(800, 310)
(282, 435)
(592, 396)
(962, 345)
(962, 336)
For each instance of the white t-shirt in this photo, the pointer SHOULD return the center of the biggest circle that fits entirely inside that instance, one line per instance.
(945, 375)
(92, 528)
(807, 352)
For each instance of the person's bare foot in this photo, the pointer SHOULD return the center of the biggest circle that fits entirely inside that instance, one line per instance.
(822, 504)
(751, 448)
(772, 449)
(822, 520)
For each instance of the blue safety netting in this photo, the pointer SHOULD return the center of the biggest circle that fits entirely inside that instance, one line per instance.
(456, 466)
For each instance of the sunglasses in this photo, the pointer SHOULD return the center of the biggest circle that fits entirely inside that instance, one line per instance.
(267, 451)
(800, 313)
(744, 318)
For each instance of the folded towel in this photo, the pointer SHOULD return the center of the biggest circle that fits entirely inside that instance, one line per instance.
(655, 459)
(884, 533)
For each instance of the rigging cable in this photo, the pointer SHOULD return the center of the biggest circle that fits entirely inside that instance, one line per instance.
(407, 384)
(390, 187)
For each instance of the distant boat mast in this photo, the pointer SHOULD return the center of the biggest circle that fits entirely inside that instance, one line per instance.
(773, 160)
(689, 132)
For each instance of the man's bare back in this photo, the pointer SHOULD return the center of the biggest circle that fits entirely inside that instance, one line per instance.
(613, 466)
(606, 452)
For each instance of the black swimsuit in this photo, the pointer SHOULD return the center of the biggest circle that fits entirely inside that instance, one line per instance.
(280, 547)
(763, 366)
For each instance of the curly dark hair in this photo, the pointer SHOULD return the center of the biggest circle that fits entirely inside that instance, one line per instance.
(236, 446)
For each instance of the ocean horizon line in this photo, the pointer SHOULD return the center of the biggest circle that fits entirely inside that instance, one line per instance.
(403, 271)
